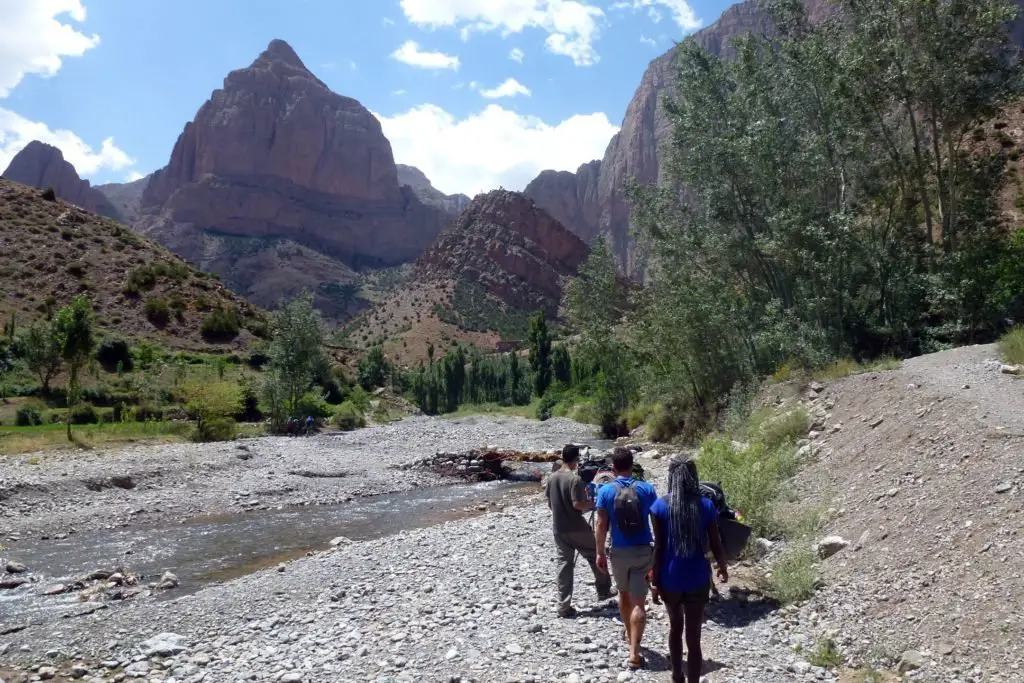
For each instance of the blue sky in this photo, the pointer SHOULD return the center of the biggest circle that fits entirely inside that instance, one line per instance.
(112, 82)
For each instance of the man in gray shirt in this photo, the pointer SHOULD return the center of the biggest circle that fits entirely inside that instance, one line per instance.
(567, 498)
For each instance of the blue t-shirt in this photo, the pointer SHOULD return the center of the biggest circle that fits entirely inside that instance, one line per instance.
(646, 496)
(682, 574)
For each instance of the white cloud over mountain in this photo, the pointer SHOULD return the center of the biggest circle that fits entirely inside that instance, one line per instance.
(494, 147)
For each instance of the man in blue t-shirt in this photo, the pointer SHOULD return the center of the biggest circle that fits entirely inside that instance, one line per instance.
(624, 507)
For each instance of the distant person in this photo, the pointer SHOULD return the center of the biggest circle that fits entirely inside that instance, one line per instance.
(567, 498)
(624, 506)
(309, 424)
(685, 525)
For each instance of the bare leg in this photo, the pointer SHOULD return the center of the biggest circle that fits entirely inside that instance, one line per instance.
(694, 617)
(674, 608)
(637, 622)
(625, 610)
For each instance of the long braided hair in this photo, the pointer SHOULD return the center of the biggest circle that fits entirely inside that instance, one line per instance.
(685, 508)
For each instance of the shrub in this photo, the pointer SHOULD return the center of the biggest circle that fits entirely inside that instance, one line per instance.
(546, 405)
(349, 417)
(221, 325)
(76, 269)
(215, 429)
(776, 431)
(334, 391)
(157, 311)
(826, 655)
(84, 414)
(1011, 346)
(120, 412)
(177, 306)
(359, 398)
(49, 195)
(794, 574)
(312, 404)
(664, 423)
(114, 351)
(28, 416)
(146, 412)
(141, 279)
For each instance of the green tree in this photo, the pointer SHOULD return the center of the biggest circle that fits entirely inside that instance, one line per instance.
(540, 353)
(212, 402)
(73, 326)
(297, 356)
(374, 369)
(561, 365)
(42, 350)
(453, 370)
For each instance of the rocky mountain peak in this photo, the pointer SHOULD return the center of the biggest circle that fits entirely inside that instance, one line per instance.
(511, 247)
(42, 165)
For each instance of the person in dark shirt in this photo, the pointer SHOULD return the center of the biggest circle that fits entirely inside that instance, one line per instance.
(567, 498)
(685, 524)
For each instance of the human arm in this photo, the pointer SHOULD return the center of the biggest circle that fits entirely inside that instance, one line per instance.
(715, 541)
(600, 537)
(659, 554)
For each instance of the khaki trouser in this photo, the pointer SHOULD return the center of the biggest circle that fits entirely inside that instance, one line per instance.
(568, 545)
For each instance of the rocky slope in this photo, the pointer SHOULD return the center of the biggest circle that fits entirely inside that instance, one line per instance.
(500, 261)
(126, 198)
(635, 151)
(53, 251)
(42, 165)
(278, 157)
(414, 178)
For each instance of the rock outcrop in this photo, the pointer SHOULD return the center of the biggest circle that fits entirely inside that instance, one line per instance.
(452, 204)
(275, 156)
(126, 197)
(570, 198)
(42, 165)
(510, 247)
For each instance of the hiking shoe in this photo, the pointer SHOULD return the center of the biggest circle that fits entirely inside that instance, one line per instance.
(611, 593)
(567, 613)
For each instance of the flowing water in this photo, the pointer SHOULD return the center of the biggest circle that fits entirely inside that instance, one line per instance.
(217, 548)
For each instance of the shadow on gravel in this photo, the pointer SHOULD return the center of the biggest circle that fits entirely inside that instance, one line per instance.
(742, 608)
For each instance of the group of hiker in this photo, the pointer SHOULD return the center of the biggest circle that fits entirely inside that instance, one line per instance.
(659, 545)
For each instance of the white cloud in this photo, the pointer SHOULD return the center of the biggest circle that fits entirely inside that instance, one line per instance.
(680, 10)
(495, 147)
(648, 41)
(411, 54)
(132, 176)
(571, 25)
(16, 131)
(387, 21)
(516, 55)
(33, 38)
(400, 91)
(509, 88)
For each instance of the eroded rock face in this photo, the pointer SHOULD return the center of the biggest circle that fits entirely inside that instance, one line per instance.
(570, 198)
(275, 154)
(452, 204)
(511, 247)
(42, 165)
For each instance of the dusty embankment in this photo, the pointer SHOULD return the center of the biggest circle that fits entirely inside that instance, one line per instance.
(922, 470)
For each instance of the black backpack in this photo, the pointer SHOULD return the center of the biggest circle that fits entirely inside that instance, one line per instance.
(627, 509)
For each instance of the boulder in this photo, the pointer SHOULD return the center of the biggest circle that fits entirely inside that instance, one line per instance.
(163, 645)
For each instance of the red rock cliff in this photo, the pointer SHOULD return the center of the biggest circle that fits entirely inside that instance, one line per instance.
(43, 165)
(276, 154)
(511, 247)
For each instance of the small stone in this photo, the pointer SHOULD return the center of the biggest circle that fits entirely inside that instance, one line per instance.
(877, 421)
(451, 654)
(514, 649)
(910, 661)
(534, 628)
(946, 649)
(16, 568)
(163, 645)
(1004, 487)
(829, 546)
(800, 667)
(137, 669)
(339, 540)
(817, 387)
(55, 589)
(167, 581)
(292, 677)
(1012, 369)
(47, 672)
(79, 671)
(624, 676)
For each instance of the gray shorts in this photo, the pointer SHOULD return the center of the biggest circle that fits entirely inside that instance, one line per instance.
(629, 565)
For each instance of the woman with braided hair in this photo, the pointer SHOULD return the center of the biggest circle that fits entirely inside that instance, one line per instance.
(685, 525)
